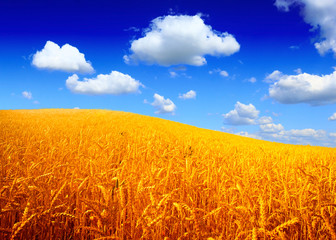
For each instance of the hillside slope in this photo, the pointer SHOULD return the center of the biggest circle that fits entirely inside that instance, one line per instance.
(96, 174)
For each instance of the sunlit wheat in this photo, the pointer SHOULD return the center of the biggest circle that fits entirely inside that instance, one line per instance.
(95, 174)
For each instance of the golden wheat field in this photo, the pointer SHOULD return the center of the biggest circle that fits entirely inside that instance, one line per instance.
(96, 174)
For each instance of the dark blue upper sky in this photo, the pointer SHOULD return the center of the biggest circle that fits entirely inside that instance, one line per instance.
(250, 19)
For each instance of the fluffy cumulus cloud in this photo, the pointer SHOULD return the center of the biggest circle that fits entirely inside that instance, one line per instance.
(242, 114)
(299, 136)
(306, 133)
(189, 95)
(173, 74)
(163, 105)
(308, 136)
(332, 135)
(277, 133)
(274, 76)
(283, 5)
(115, 83)
(320, 14)
(27, 95)
(182, 39)
(332, 117)
(223, 73)
(303, 88)
(248, 115)
(271, 128)
(265, 120)
(252, 80)
(66, 58)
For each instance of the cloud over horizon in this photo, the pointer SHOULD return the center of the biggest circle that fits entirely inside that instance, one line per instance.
(181, 39)
(66, 58)
(297, 136)
(115, 83)
(277, 133)
(302, 88)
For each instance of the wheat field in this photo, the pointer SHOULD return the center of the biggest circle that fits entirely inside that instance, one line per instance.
(97, 174)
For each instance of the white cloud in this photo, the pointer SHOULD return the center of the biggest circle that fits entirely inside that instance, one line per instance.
(163, 105)
(27, 94)
(332, 117)
(189, 95)
(303, 136)
(76, 108)
(248, 111)
(223, 73)
(182, 74)
(66, 58)
(36, 102)
(283, 5)
(186, 76)
(173, 74)
(252, 80)
(271, 127)
(132, 29)
(115, 83)
(320, 14)
(294, 47)
(298, 71)
(180, 68)
(180, 39)
(332, 134)
(265, 120)
(242, 115)
(309, 132)
(276, 132)
(247, 134)
(303, 88)
(274, 76)
(227, 130)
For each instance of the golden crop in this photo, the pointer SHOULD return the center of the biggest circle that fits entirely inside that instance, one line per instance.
(95, 174)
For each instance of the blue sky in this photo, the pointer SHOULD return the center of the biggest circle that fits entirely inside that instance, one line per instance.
(261, 69)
